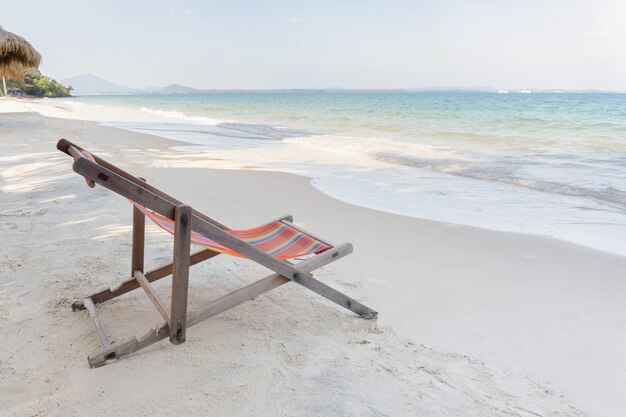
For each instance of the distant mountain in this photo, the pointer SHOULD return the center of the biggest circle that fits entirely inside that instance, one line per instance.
(175, 89)
(90, 84)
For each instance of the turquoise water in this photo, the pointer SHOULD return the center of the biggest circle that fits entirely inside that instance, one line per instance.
(589, 120)
(548, 163)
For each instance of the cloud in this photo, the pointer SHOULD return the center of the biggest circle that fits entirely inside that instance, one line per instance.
(295, 20)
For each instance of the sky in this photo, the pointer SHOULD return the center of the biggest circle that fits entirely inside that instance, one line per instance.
(508, 44)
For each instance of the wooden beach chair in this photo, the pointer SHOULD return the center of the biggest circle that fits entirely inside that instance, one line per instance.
(270, 245)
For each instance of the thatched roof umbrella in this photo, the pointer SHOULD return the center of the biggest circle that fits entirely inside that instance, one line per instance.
(16, 54)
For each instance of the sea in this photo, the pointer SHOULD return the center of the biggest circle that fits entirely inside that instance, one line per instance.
(550, 164)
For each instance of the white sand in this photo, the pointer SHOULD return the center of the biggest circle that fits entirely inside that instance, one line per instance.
(472, 322)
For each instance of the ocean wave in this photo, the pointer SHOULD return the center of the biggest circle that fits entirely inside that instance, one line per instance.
(71, 103)
(351, 145)
(175, 114)
(264, 131)
(501, 173)
(233, 130)
(503, 168)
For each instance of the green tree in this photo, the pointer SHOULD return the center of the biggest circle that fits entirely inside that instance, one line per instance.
(38, 85)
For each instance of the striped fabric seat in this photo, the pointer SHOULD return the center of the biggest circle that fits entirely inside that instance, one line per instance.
(277, 239)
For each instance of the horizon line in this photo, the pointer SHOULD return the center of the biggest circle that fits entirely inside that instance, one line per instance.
(118, 88)
(158, 90)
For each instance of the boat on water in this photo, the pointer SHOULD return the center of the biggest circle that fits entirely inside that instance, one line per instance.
(524, 91)
(503, 91)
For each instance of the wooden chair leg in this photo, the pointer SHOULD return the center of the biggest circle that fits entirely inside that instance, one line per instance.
(132, 284)
(95, 317)
(139, 234)
(226, 302)
(180, 276)
(155, 274)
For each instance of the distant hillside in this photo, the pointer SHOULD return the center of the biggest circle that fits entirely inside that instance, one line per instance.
(89, 84)
(175, 89)
(92, 84)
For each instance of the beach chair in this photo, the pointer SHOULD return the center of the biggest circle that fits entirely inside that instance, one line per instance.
(270, 245)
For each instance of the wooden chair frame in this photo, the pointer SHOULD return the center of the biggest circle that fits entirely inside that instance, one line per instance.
(177, 318)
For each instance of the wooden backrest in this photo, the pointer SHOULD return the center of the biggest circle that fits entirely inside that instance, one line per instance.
(125, 184)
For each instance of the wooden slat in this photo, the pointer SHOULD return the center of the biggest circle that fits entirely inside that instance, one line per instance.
(283, 268)
(138, 193)
(180, 276)
(306, 232)
(152, 275)
(132, 284)
(220, 305)
(152, 295)
(123, 348)
(139, 236)
(152, 189)
(63, 145)
(95, 317)
(166, 270)
(266, 284)
(72, 149)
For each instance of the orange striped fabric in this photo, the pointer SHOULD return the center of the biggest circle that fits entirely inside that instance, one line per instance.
(277, 239)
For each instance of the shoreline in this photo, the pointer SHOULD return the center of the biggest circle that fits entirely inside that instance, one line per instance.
(503, 298)
(263, 159)
(195, 151)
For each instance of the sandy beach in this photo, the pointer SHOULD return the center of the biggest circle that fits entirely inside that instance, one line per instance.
(471, 322)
